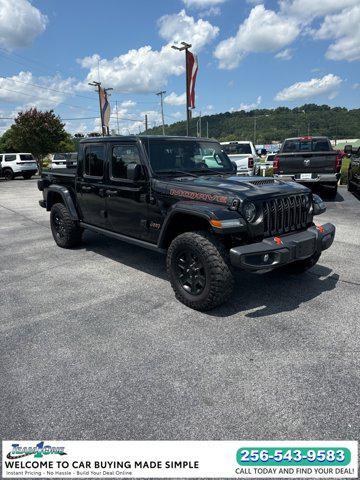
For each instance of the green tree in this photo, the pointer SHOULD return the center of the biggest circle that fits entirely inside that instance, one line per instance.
(6, 143)
(38, 132)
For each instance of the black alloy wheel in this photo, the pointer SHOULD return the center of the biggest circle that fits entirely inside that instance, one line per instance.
(59, 225)
(190, 272)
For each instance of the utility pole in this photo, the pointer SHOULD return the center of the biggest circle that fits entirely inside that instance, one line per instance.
(146, 123)
(104, 130)
(117, 118)
(185, 47)
(161, 94)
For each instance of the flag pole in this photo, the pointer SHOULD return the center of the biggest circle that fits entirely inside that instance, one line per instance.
(185, 47)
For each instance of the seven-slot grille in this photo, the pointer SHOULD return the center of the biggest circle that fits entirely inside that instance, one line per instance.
(284, 214)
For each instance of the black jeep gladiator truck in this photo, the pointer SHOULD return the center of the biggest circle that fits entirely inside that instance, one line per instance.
(310, 161)
(181, 196)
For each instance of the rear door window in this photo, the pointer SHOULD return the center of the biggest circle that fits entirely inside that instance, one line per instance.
(94, 161)
(10, 158)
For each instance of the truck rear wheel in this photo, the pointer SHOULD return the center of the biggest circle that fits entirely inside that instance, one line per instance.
(301, 266)
(65, 230)
(199, 271)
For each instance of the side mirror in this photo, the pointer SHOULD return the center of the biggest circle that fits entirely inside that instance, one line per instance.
(348, 149)
(134, 171)
(263, 151)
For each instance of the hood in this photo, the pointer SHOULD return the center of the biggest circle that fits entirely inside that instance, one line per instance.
(231, 186)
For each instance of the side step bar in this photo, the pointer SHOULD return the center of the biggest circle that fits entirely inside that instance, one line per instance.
(124, 238)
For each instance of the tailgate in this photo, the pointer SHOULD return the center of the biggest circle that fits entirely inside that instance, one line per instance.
(307, 162)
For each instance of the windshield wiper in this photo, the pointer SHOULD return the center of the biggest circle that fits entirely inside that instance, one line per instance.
(178, 171)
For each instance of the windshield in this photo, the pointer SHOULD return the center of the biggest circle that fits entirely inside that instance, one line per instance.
(237, 148)
(310, 145)
(187, 155)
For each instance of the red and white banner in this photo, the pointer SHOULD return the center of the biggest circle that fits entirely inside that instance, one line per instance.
(192, 67)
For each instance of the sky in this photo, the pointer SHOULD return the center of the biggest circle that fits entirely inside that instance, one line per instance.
(252, 54)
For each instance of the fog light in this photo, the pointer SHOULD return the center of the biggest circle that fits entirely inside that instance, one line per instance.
(266, 258)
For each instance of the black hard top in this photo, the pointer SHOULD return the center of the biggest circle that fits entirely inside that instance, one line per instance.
(131, 138)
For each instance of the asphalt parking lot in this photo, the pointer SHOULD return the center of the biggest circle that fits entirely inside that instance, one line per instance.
(94, 345)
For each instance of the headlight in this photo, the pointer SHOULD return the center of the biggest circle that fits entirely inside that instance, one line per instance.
(249, 211)
(319, 205)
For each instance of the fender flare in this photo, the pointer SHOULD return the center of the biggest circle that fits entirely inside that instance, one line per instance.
(66, 196)
(204, 211)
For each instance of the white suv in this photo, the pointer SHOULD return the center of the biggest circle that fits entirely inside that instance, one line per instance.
(243, 153)
(17, 165)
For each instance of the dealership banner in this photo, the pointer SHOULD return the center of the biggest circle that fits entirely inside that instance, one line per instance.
(179, 459)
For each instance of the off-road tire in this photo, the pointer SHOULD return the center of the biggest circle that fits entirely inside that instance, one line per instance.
(213, 256)
(301, 266)
(8, 174)
(68, 234)
(27, 176)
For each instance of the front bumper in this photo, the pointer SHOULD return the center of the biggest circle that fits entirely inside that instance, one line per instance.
(276, 251)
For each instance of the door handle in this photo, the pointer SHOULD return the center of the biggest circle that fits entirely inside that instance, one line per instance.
(86, 189)
(111, 193)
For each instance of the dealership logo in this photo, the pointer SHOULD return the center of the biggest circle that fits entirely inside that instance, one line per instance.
(39, 450)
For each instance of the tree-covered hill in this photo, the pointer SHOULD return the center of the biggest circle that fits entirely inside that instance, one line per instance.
(277, 124)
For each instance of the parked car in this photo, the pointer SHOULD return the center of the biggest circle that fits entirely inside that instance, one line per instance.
(17, 165)
(161, 194)
(354, 168)
(310, 161)
(61, 160)
(244, 154)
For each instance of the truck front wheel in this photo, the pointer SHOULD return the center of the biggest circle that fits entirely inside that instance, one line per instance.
(199, 270)
(65, 230)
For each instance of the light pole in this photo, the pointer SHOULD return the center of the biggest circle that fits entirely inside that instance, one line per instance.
(185, 47)
(161, 94)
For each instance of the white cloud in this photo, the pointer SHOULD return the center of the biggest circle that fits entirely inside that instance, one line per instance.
(250, 106)
(142, 71)
(286, 54)
(263, 31)
(145, 70)
(27, 90)
(174, 99)
(180, 27)
(20, 23)
(344, 29)
(128, 103)
(202, 3)
(307, 10)
(311, 88)
(356, 86)
(211, 12)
